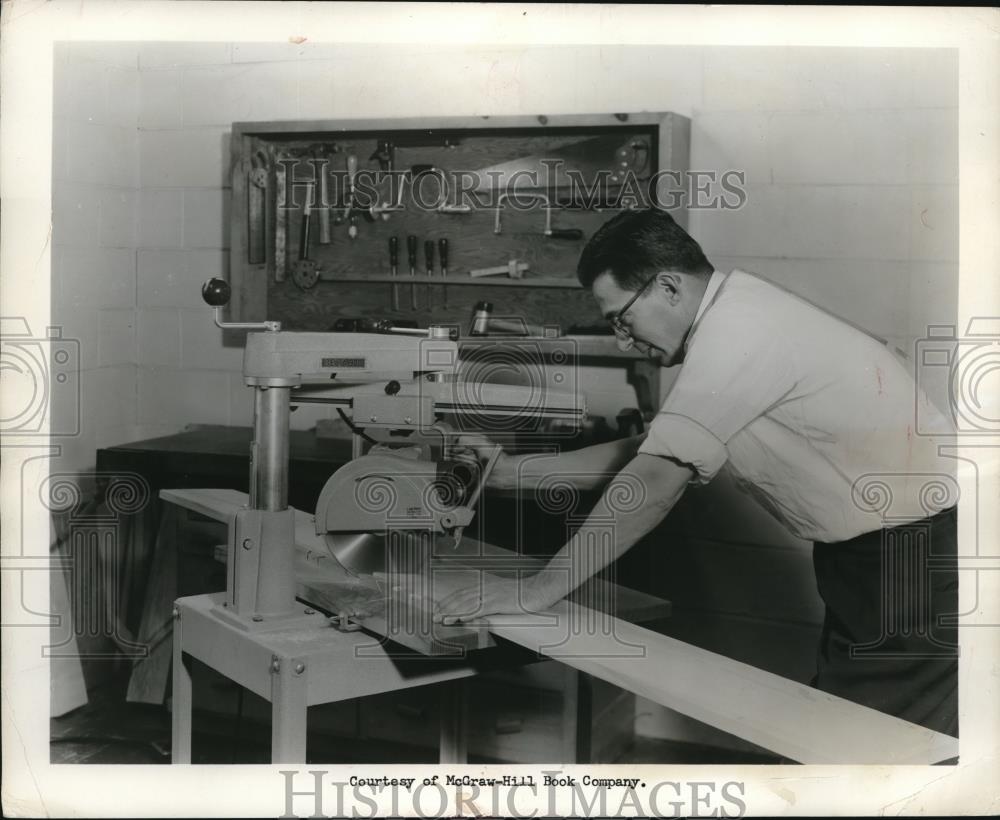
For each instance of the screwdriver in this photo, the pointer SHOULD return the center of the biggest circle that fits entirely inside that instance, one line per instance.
(411, 252)
(394, 268)
(429, 263)
(443, 256)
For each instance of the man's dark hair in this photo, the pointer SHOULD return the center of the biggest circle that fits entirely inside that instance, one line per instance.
(637, 244)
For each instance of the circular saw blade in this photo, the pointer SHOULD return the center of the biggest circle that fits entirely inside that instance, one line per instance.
(360, 553)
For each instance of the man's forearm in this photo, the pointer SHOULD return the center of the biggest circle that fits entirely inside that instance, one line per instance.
(587, 468)
(639, 499)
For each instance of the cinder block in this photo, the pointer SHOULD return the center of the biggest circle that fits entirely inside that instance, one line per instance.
(159, 335)
(835, 285)
(933, 78)
(109, 397)
(95, 277)
(164, 55)
(810, 222)
(934, 223)
(180, 397)
(203, 344)
(118, 217)
(77, 454)
(838, 147)
(116, 337)
(80, 90)
(197, 158)
(933, 297)
(732, 141)
(76, 214)
(768, 78)
(122, 96)
(206, 218)
(161, 214)
(102, 154)
(248, 92)
(174, 278)
(160, 100)
(114, 53)
(931, 145)
(78, 324)
(241, 402)
(620, 77)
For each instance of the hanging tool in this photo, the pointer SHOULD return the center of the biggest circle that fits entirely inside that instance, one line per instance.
(305, 274)
(394, 269)
(256, 197)
(443, 256)
(352, 170)
(385, 154)
(513, 269)
(324, 197)
(564, 166)
(429, 264)
(548, 230)
(411, 251)
(280, 220)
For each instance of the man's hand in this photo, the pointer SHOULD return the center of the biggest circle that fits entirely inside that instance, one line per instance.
(494, 596)
(474, 448)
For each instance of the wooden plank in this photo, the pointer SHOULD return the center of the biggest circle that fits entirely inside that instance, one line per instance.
(452, 123)
(775, 713)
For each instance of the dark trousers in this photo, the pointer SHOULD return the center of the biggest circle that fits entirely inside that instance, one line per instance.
(890, 635)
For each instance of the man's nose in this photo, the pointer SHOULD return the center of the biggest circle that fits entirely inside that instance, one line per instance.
(624, 342)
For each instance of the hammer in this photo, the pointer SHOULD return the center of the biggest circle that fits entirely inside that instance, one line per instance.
(513, 269)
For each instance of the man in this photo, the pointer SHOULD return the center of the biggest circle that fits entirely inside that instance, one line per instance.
(812, 417)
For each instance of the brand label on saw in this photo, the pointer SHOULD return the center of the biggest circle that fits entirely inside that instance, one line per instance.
(345, 361)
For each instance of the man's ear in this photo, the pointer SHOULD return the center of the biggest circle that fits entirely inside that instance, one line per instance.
(670, 283)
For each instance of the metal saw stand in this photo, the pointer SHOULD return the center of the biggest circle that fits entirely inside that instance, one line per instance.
(258, 635)
(308, 663)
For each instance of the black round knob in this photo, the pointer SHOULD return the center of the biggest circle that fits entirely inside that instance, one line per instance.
(392, 388)
(216, 292)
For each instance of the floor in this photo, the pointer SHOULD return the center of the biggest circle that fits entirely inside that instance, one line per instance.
(109, 730)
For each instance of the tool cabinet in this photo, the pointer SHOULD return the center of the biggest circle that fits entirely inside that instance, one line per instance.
(620, 160)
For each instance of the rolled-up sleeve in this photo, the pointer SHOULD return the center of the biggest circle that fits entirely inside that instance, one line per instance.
(736, 368)
(684, 440)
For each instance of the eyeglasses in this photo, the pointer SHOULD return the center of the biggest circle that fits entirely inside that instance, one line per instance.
(617, 325)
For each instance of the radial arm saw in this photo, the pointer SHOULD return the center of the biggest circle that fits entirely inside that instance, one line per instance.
(398, 384)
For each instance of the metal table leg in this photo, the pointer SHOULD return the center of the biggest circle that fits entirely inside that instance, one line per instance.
(454, 722)
(180, 710)
(289, 706)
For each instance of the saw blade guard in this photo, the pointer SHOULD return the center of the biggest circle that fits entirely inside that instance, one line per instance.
(376, 494)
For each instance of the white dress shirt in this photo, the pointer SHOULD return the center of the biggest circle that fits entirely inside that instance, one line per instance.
(816, 419)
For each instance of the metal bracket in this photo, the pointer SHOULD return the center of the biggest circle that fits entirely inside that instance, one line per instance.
(344, 622)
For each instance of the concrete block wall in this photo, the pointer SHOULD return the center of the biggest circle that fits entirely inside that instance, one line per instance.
(851, 176)
(95, 193)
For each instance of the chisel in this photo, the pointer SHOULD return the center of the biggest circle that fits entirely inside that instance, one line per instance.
(411, 252)
(394, 268)
(443, 256)
(429, 264)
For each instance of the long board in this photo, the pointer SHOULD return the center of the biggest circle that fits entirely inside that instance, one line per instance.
(778, 714)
